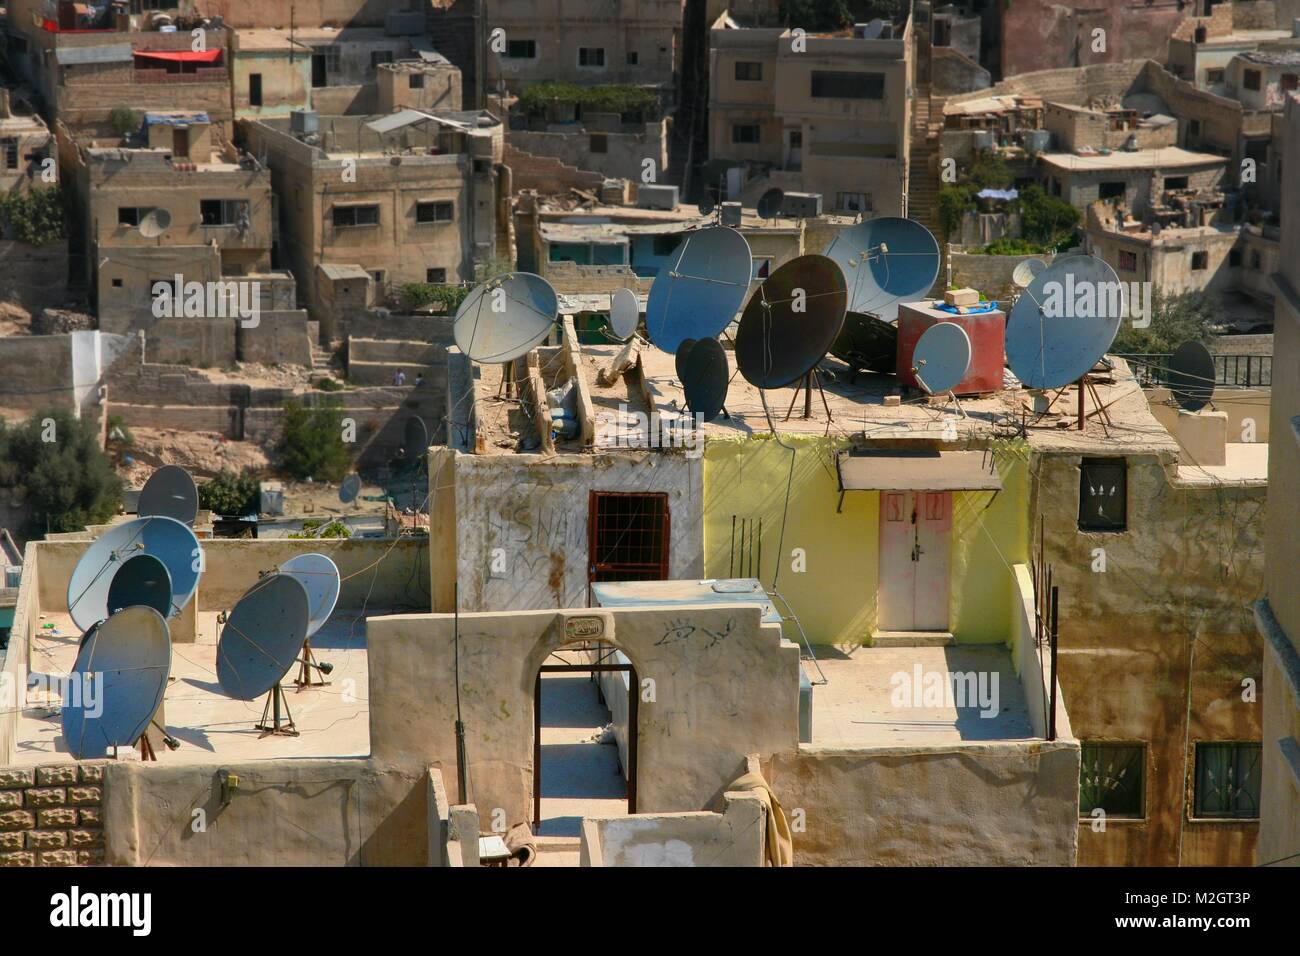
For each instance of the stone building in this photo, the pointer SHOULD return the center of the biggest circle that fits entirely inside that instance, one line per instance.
(25, 143)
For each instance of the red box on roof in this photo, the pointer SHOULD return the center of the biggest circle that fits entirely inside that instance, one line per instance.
(987, 331)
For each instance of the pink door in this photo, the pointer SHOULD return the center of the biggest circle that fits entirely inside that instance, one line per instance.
(915, 532)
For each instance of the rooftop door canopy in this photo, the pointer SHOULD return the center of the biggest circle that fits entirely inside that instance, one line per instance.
(916, 471)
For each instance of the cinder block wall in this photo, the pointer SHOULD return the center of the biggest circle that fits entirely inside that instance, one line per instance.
(52, 816)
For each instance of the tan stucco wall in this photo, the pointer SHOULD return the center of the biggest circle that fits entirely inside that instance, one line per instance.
(734, 837)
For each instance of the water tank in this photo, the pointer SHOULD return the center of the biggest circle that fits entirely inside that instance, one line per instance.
(1038, 140)
(801, 205)
(657, 197)
(730, 214)
(304, 121)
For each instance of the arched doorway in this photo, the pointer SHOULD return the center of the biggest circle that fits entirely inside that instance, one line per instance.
(584, 737)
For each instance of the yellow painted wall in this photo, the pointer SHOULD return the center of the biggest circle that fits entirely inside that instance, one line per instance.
(835, 597)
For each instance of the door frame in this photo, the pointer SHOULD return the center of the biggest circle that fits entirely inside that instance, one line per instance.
(916, 496)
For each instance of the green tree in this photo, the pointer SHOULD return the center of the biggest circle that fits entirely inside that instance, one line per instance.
(124, 121)
(312, 445)
(1045, 218)
(54, 462)
(954, 203)
(35, 217)
(1174, 320)
(817, 14)
(232, 494)
(990, 171)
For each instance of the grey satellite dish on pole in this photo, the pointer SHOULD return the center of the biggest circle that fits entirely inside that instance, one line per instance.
(941, 357)
(791, 321)
(704, 373)
(1025, 272)
(262, 636)
(505, 317)
(624, 314)
(1064, 322)
(1191, 376)
(154, 223)
(349, 489)
(886, 261)
(769, 204)
(117, 682)
(706, 205)
(141, 580)
(170, 492)
(698, 293)
(319, 576)
(167, 539)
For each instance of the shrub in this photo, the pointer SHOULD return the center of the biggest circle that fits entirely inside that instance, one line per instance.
(1174, 320)
(536, 99)
(36, 217)
(312, 444)
(414, 295)
(231, 494)
(124, 121)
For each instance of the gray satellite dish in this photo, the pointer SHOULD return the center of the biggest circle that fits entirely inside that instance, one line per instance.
(867, 342)
(1191, 376)
(624, 314)
(117, 681)
(167, 539)
(1025, 271)
(885, 261)
(262, 636)
(154, 223)
(349, 489)
(505, 317)
(1055, 335)
(704, 373)
(873, 30)
(169, 492)
(417, 439)
(769, 204)
(141, 580)
(699, 292)
(941, 357)
(319, 576)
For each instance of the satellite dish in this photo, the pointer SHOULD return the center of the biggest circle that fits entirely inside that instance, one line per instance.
(941, 357)
(1064, 322)
(683, 351)
(886, 261)
(417, 439)
(142, 580)
(349, 489)
(866, 342)
(873, 30)
(154, 223)
(699, 292)
(167, 539)
(505, 317)
(1025, 272)
(126, 660)
(262, 636)
(1191, 376)
(790, 321)
(170, 492)
(769, 204)
(704, 374)
(319, 576)
(706, 205)
(624, 314)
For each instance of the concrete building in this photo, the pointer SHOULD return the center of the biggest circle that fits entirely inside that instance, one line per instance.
(1044, 35)
(825, 113)
(1136, 179)
(1278, 614)
(25, 143)
(408, 197)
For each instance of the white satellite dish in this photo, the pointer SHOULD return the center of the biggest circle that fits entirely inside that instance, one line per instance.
(1025, 272)
(154, 223)
(624, 314)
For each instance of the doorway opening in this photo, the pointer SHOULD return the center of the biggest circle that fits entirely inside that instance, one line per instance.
(915, 541)
(584, 737)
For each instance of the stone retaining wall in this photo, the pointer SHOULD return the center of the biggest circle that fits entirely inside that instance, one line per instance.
(52, 816)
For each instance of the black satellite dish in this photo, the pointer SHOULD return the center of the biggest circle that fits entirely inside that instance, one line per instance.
(769, 204)
(141, 580)
(790, 322)
(704, 376)
(1192, 376)
(683, 351)
(867, 342)
(705, 206)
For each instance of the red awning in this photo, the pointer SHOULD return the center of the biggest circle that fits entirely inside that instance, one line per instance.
(183, 56)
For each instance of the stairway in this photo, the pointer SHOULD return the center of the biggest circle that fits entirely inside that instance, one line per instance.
(923, 160)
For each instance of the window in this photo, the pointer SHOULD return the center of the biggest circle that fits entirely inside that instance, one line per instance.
(223, 212)
(1111, 779)
(1103, 494)
(840, 85)
(1290, 81)
(117, 283)
(129, 215)
(744, 133)
(1257, 150)
(598, 143)
(435, 276)
(521, 50)
(380, 56)
(1176, 182)
(255, 89)
(665, 245)
(749, 71)
(9, 147)
(631, 57)
(1213, 77)
(1256, 262)
(591, 56)
(356, 215)
(415, 81)
(324, 64)
(1227, 781)
(1200, 261)
(760, 267)
(1250, 79)
(853, 202)
(1194, 128)
(1234, 258)
(627, 536)
(1110, 190)
(1128, 261)
(434, 211)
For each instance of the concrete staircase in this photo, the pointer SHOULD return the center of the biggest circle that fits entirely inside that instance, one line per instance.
(923, 160)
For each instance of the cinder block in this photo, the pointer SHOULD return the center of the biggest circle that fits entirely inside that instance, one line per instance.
(58, 858)
(92, 773)
(22, 858)
(56, 776)
(86, 839)
(60, 817)
(11, 777)
(47, 839)
(17, 820)
(79, 796)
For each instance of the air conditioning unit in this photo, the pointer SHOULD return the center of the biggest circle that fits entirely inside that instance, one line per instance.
(730, 215)
(304, 121)
(801, 205)
(657, 197)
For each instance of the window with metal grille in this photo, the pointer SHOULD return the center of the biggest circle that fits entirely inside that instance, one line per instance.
(363, 215)
(745, 133)
(1128, 261)
(1103, 494)
(223, 212)
(749, 71)
(434, 211)
(845, 85)
(1111, 779)
(591, 56)
(1227, 780)
(521, 50)
(9, 149)
(627, 536)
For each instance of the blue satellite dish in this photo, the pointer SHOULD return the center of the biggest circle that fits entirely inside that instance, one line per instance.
(349, 489)
(885, 261)
(1064, 322)
(167, 539)
(505, 317)
(170, 492)
(141, 580)
(698, 293)
(941, 357)
(117, 682)
(262, 636)
(319, 576)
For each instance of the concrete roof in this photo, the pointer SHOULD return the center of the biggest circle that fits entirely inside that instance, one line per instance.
(1171, 157)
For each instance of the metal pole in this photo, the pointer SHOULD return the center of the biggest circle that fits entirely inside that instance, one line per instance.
(1051, 713)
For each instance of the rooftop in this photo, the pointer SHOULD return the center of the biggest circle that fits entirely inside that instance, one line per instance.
(1171, 157)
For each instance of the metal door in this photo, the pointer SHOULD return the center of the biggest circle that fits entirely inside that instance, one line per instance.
(915, 538)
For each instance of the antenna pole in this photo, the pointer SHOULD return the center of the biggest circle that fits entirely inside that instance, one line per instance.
(462, 772)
